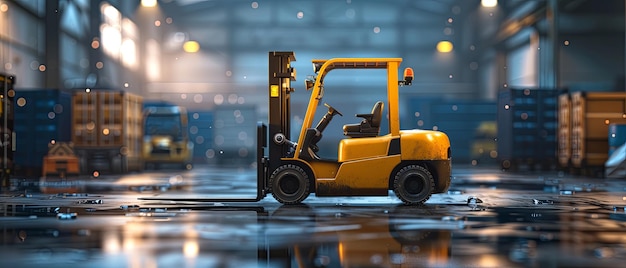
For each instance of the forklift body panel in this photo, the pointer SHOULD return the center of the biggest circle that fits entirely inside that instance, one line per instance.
(363, 177)
(424, 145)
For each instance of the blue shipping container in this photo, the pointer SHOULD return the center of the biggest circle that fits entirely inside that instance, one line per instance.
(201, 134)
(460, 119)
(40, 117)
(617, 136)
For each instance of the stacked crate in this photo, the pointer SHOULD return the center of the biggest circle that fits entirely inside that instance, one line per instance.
(527, 128)
(591, 115)
(107, 131)
(564, 147)
(42, 116)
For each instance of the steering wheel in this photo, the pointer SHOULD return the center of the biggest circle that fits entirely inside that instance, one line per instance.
(332, 110)
(322, 125)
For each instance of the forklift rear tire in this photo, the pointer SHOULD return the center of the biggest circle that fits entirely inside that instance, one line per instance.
(289, 184)
(413, 184)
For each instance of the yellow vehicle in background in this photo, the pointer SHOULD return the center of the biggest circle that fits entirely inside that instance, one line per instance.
(413, 163)
(484, 147)
(166, 138)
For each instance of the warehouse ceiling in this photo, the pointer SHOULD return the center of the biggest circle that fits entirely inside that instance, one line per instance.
(335, 17)
(235, 36)
(226, 26)
(199, 6)
(584, 13)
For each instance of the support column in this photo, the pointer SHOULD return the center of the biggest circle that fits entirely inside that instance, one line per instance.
(52, 59)
(549, 49)
(94, 78)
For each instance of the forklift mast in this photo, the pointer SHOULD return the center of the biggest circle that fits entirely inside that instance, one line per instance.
(280, 76)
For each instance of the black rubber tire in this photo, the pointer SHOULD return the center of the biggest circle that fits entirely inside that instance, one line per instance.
(289, 184)
(413, 184)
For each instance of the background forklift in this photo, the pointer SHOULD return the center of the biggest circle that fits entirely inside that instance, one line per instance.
(412, 163)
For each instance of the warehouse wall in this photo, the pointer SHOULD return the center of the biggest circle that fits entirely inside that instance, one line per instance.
(236, 36)
(591, 62)
(50, 44)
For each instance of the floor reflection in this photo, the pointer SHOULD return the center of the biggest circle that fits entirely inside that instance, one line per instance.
(521, 221)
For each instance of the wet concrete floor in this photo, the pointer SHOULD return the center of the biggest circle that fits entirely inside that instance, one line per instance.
(488, 218)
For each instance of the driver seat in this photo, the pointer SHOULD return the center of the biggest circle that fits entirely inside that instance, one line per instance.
(369, 126)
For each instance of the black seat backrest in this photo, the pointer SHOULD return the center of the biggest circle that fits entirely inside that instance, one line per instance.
(377, 114)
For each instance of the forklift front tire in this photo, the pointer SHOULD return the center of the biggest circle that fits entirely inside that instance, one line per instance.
(289, 184)
(413, 184)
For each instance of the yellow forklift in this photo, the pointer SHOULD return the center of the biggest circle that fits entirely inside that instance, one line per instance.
(413, 163)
